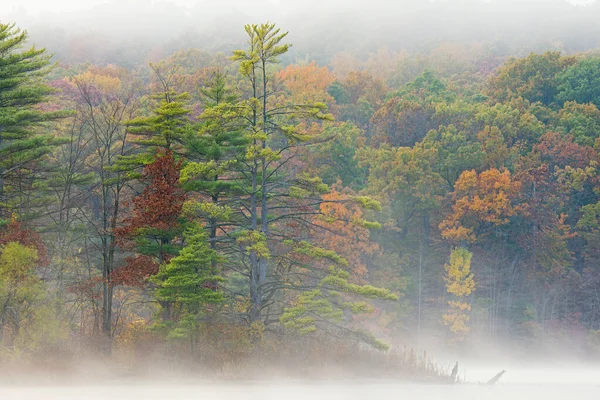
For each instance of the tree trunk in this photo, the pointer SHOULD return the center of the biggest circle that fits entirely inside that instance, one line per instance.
(2, 212)
(107, 300)
(255, 297)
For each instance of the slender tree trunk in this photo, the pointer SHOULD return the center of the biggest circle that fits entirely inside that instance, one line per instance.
(212, 238)
(255, 295)
(1, 183)
(262, 275)
(2, 208)
(420, 302)
(510, 287)
(255, 298)
(107, 296)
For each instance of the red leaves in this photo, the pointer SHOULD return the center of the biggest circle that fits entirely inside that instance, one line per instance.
(560, 150)
(135, 271)
(16, 232)
(155, 213)
(90, 288)
(160, 204)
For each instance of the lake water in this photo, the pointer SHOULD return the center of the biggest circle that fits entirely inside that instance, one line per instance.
(307, 391)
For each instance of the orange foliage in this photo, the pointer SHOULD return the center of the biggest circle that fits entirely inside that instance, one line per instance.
(343, 63)
(480, 201)
(342, 234)
(307, 82)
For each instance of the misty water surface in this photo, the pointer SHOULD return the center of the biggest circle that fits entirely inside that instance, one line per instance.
(312, 391)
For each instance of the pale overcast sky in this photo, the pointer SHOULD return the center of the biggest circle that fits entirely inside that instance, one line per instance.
(35, 6)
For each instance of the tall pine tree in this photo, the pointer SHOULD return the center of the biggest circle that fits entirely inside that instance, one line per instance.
(22, 139)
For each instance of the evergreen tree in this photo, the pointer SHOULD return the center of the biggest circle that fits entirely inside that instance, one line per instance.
(187, 282)
(214, 153)
(22, 140)
(272, 129)
(166, 127)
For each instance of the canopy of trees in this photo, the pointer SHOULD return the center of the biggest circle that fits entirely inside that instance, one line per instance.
(216, 208)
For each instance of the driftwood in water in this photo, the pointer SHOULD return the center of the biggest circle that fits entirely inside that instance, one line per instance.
(454, 372)
(496, 378)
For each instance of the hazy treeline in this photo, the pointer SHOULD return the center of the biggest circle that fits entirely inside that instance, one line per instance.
(127, 34)
(223, 206)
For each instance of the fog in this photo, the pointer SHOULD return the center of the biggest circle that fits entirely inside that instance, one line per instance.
(319, 29)
(130, 33)
(299, 390)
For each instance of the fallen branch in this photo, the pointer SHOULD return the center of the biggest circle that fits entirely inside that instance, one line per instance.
(496, 378)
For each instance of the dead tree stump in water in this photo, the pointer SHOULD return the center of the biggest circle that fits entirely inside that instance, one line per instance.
(496, 378)
(454, 372)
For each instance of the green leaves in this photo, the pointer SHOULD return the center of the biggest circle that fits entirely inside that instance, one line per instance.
(22, 139)
(319, 253)
(167, 127)
(188, 278)
(189, 284)
(329, 302)
(580, 82)
(533, 78)
(255, 242)
(367, 203)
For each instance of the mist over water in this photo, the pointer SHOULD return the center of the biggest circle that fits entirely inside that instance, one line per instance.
(316, 391)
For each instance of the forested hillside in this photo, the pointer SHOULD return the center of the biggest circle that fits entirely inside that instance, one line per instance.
(214, 207)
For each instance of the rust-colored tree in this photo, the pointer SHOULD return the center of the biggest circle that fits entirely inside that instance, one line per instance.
(154, 221)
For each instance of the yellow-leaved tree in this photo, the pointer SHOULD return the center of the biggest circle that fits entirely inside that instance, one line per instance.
(459, 284)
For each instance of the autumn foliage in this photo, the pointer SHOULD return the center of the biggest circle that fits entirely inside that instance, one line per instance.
(479, 202)
(15, 231)
(343, 231)
(460, 284)
(307, 82)
(155, 220)
(206, 200)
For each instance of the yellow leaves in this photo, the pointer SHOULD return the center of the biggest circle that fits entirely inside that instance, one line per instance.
(466, 181)
(194, 170)
(16, 261)
(460, 283)
(459, 305)
(459, 279)
(133, 332)
(193, 208)
(456, 320)
(103, 81)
